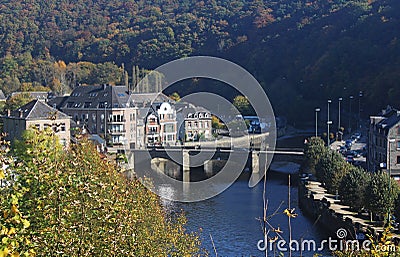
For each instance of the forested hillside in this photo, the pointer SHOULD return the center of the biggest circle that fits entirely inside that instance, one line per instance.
(298, 47)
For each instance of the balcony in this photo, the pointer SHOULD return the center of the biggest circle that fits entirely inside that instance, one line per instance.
(117, 132)
(110, 121)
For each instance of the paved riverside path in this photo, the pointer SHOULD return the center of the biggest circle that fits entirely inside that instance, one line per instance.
(320, 194)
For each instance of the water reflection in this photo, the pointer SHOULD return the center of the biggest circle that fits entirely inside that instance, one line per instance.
(232, 217)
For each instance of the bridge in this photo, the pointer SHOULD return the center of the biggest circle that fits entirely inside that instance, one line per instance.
(188, 157)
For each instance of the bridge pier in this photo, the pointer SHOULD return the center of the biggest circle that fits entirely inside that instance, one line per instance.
(255, 161)
(208, 168)
(185, 165)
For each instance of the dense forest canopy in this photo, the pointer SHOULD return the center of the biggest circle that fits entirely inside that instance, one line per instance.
(294, 48)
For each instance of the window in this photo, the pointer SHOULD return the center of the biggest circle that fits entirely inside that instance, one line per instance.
(398, 144)
(169, 128)
(62, 126)
(87, 104)
(398, 159)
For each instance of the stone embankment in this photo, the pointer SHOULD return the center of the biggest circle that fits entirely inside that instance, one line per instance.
(326, 209)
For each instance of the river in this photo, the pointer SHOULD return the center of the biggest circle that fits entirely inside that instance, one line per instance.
(232, 218)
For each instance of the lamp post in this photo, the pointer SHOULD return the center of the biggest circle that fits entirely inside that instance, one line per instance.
(360, 94)
(339, 125)
(329, 122)
(350, 98)
(105, 122)
(391, 140)
(316, 121)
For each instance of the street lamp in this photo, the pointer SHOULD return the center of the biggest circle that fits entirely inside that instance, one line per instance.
(105, 122)
(316, 121)
(351, 98)
(328, 123)
(340, 100)
(392, 140)
(360, 94)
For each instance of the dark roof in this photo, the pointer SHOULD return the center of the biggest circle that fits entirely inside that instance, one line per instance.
(186, 109)
(99, 96)
(389, 121)
(107, 96)
(144, 99)
(57, 102)
(36, 110)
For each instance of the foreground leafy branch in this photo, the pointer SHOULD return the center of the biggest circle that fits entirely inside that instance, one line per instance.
(77, 204)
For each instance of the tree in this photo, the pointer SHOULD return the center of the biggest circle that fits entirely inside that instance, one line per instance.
(353, 187)
(81, 205)
(243, 105)
(379, 198)
(17, 101)
(314, 149)
(330, 170)
(14, 224)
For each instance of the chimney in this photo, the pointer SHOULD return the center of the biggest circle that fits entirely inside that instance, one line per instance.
(104, 86)
(8, 112)
(21, 113)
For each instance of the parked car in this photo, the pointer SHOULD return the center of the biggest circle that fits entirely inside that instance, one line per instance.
(342, 150)
(357, 135)
(350, 158)
(353, 153)
(348, 143)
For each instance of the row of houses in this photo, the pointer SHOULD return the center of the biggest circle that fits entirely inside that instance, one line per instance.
(114, 116)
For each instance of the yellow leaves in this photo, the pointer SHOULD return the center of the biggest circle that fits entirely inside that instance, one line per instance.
(14, 209)
(290, 213)
(26, 223)
(278, 230)
(2, 175)
(4, 231)
(11, 231)
(4, 252)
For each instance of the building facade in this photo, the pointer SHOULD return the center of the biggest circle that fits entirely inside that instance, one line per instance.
(124, 119)
(384, 142)
(103, 110)
(39, 115)
(161, 125)
(198, 124)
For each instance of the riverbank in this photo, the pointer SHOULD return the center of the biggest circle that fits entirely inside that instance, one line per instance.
(326, 209)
